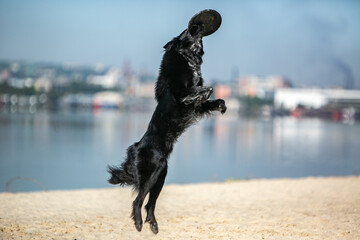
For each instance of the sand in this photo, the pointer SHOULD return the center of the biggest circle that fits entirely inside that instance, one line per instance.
(309, 208)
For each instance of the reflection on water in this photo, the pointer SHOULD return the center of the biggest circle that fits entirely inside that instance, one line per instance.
(72, 150)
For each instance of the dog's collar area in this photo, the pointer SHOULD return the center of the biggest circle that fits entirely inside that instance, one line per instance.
(183, 35)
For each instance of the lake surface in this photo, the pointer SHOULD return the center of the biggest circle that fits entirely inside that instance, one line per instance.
(69, 150)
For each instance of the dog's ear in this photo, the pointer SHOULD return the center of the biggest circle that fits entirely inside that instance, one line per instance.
(169, 45)
(176, 40)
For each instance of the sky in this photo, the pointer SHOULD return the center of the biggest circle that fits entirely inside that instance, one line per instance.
(311, 42)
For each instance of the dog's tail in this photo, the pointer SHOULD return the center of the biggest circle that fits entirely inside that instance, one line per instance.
(120, 176)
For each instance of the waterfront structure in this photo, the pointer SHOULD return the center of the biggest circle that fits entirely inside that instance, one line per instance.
(291, 98)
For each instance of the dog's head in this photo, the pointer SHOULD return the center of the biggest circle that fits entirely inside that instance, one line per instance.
(186, 42)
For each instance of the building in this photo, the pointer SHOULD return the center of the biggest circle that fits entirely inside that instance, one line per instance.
(145, 90)
(110, 79)
(291, 98)
(261, 87)
(108, 100)
(222, 91)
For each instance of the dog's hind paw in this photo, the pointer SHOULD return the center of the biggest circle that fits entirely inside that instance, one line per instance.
(138, 224)
(154, 227)
(153, 224)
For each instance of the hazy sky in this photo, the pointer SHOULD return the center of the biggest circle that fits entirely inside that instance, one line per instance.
(310, 42)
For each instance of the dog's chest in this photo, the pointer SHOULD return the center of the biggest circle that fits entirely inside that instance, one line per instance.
(196, 74)
(194, 64)
(194, 61)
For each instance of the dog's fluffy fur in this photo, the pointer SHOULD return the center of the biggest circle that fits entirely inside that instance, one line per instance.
(182, 101)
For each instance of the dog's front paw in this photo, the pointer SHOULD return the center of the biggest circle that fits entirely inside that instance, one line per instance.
(222, 106)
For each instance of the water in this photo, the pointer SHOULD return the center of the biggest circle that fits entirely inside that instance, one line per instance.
(71, 150)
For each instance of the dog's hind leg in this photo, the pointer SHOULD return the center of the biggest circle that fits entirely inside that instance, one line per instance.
(150, 206)
(136, 213)
(149, 174)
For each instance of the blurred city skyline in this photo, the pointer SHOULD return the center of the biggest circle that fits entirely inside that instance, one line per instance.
(314, 43)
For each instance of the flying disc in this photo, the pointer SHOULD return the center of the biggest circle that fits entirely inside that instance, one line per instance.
(210, 19)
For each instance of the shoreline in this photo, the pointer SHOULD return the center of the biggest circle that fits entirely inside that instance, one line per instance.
(300, 208)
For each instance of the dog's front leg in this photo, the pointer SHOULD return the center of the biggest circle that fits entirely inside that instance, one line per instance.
(212, 105)
(200, 95)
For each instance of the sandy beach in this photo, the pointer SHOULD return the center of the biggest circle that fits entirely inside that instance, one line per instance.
(309, 208)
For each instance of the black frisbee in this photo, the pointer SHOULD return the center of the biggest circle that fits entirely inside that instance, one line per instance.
(210, 19)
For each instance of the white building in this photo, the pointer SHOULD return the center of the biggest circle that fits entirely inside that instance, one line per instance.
(145, 90)
(108, 100)
(290, 98)
(109, 80)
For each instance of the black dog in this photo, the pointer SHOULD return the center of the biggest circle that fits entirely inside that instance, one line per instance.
(182, 100)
